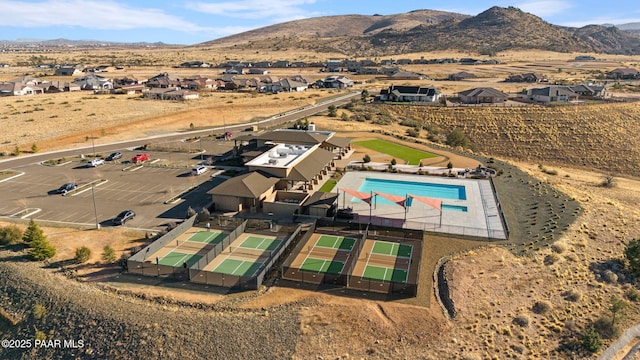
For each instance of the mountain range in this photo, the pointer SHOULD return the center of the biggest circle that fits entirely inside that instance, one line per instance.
(496, 29)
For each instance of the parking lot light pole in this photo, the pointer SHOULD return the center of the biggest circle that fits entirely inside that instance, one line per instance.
(95, 209)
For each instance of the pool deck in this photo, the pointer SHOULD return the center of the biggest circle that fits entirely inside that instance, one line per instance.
(482, 218)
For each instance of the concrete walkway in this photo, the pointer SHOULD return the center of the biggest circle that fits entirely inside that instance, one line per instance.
(614, 351)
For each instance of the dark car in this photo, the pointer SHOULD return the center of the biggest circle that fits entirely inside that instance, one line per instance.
(114, 156)
(65, 188)
(345, 213)
(123, 217)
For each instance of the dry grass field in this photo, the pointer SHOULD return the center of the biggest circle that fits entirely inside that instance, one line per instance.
(530, 305)
(57, 120)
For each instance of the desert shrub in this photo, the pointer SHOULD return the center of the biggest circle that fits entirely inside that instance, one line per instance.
(38, 311)
(83, 254)
(41, 335)
(333, 112)
(558, 248)
(608, 181)
(590, 340)
(633, 295)
(413, 132)
(457, 138)
(573, 295)
(10, 234)
(610, 277)
(204, 215)
(190, 212)
(606, 330)
(551, 259)
(522, 320)
(542, 307)
(108, 254)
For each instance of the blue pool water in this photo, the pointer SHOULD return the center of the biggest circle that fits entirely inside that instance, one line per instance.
(402, 188)
(454, 208)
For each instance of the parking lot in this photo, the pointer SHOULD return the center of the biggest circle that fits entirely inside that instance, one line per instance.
(143, 190)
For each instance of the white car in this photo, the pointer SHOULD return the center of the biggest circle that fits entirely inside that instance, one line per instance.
(199, 170)
(95, 162)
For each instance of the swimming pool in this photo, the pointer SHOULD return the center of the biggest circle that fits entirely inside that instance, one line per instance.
(455, 208)
(402, 188)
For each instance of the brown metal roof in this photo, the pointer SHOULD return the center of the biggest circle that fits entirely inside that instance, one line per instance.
(338, 142)
(249, 185)
(311, 165)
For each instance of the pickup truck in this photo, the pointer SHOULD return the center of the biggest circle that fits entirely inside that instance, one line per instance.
(140, 158)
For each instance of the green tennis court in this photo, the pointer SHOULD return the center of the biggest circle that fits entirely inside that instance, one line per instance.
(391, 248)
(336, 242)
(255, 242)
(176, 259)
(210, 237)
(238, 267)
(385, 274)
(322, 265)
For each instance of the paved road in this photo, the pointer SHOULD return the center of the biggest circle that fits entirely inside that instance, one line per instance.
(616, 349)
(274, 120)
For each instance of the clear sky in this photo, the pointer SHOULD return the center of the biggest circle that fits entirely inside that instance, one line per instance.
(195, 21)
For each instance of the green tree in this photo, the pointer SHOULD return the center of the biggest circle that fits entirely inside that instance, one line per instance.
(33, 233)
(333, 112)
(10, 234)
(34, 238)
(366, 158)
(591, 340)
(617, 308)
(364, 95)
(108, 254)
(34, 148)
(393, 162)
(17, 151)
(632, 253)
(83, 254)
(457, 138)
(449, 165)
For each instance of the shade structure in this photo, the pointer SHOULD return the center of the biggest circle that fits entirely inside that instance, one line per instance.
(366, 197)
(435, 203)
(397, 199)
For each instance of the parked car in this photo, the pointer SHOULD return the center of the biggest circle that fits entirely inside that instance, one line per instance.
(140, 157)
(198, 170)
(114, 156)
(345, 213)
(65, 188)
(95, 162)
(123, 217)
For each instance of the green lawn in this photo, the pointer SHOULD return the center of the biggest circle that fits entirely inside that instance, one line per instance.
(413, 156)
(328, 186)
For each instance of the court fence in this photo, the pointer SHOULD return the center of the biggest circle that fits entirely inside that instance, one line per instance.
(210, 277)
(347, 279)
(140, 264)
(198, 275)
